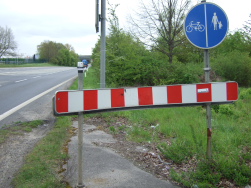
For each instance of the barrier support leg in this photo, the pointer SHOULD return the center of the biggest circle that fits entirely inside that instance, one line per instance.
(80, 134)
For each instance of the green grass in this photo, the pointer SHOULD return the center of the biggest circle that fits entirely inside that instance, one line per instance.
(18, 128)
(26, 65)
(43, 163)
(91, 81)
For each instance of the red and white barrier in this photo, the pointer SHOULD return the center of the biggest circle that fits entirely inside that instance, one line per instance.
(115, 99)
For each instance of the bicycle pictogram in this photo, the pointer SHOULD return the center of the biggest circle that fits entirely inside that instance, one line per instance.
(197, 27)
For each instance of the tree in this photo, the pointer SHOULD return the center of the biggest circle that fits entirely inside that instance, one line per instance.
(247, 29)
(57, 53)
(69, 47)
(188, 53)
(233, 41)
(129, 63)
(65, 57)
(7, 43)
(48, 50)
(160, 25)
(127, 59)
(247, 33)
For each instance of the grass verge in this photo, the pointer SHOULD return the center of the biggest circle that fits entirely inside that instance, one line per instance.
(26, 65)
(18, 128)
(43, 163)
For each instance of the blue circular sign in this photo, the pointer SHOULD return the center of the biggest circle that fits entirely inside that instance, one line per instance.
(206, 25)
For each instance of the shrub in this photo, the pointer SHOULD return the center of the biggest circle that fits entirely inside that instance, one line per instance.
(245, 93)
(226, 109)
(177, 73)
(234, 66)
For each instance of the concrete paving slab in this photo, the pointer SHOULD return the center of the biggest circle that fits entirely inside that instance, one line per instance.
(103, 167)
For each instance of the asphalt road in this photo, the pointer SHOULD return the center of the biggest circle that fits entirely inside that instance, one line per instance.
(26, 93)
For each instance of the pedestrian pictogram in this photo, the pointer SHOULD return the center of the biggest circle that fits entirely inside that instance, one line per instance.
(217, 23)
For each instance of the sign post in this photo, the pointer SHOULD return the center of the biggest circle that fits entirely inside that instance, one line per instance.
(80, 129)
(208, 105)
(206, 26)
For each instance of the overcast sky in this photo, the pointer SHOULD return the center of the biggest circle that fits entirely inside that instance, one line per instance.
(72, 22)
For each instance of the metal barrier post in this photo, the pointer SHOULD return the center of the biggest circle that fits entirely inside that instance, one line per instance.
(208, 106)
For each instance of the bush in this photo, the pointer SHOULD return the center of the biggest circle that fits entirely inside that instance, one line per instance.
(245, 94)
(226, 109)
(234, 66)
(177, 73)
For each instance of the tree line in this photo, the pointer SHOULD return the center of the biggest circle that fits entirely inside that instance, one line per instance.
(52, 52)
(155, 51)
(57, 53)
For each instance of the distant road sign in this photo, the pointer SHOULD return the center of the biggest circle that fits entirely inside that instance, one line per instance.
(206, 25)
(92, 101)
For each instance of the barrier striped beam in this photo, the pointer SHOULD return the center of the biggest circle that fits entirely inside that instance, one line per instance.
(91, 101)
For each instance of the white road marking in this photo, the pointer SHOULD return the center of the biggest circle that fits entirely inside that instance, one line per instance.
(20, 80)
(13, 110)
(32, 71)
(8, 73)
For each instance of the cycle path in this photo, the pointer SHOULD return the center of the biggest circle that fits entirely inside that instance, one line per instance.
(103, 167)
